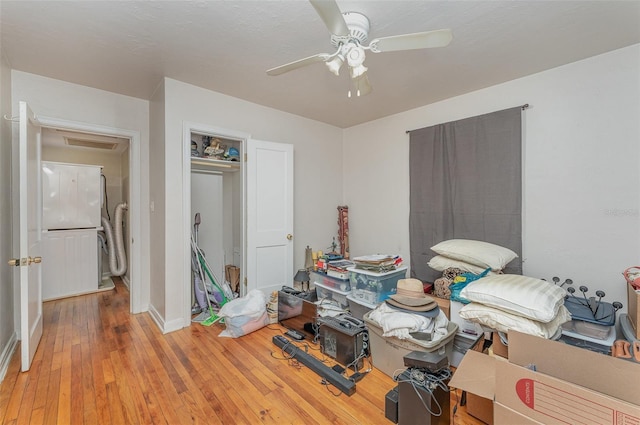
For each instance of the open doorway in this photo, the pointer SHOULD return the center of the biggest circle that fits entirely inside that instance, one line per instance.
(131, 190)
(83, 237)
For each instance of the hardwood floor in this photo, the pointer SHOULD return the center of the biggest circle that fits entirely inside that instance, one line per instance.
(98, 364)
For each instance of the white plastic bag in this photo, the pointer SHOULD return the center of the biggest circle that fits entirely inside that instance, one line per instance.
(244, 315)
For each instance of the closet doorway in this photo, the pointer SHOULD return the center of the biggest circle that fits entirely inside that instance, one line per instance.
(253, 209)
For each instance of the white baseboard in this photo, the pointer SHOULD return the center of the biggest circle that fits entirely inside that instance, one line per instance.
(125, 280)
(156, 318)
(165, 327)
(7, 353)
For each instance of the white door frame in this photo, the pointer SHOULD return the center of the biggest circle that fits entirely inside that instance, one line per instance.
(188, 128)
(135, 244)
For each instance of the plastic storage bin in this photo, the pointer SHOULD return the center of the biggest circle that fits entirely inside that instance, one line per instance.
(387, 353)
(359, 308)
(374, 287)
(330, 282)
(589, 329)
(325, 293)
(461, 344)
(471, 329)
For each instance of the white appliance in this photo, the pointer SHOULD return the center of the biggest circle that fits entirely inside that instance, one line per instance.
(71, 218)
(71, 196)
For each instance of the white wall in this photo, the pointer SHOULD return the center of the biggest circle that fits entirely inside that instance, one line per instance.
(581, 173)
(317, 168)
(7, 333)
(157, 200)
(71, 102)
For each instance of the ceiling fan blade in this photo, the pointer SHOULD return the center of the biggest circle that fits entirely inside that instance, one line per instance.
(361, 85)
(331, 15)
(419, 40)
(321, 57)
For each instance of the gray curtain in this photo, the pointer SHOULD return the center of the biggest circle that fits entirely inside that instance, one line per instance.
(466, 183)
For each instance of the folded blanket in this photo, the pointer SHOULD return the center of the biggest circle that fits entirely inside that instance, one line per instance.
(400, 324)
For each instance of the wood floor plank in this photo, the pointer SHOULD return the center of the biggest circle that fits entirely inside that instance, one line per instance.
(98, 364)
(8, 384)
(53, 391)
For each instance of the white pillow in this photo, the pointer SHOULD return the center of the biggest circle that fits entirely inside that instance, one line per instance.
(481, 254)
(440, 263)
(502, 321)
(525, 296)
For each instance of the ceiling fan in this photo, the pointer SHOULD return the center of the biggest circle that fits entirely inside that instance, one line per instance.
(349, 33)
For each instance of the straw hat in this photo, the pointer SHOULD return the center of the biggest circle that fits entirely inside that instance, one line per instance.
(427, 310)
(410, 293)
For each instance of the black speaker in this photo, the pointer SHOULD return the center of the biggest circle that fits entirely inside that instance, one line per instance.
(418, 405)
(391, 405)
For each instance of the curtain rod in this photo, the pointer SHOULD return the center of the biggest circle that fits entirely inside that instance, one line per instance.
(523, 107)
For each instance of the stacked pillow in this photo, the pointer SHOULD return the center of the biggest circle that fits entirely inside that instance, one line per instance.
(526, 304)
(470, 256)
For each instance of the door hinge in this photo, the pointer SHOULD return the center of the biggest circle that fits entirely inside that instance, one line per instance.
(245, 157)
(245, 282)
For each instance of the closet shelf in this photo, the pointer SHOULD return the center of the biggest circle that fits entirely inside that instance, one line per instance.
(207, 164)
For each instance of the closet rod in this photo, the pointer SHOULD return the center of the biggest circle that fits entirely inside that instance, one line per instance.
(523, 107)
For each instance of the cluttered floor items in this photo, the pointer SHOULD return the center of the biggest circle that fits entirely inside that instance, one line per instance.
(364, 313)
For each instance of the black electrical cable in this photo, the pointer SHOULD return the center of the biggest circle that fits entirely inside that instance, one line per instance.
(106, 198)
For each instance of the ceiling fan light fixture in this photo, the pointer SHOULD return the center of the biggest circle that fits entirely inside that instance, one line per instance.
(335, 64)
(355, 55)
(357, 71)
(349, 33)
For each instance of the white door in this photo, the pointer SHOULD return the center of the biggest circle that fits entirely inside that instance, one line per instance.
(29, 234)
(269, 215)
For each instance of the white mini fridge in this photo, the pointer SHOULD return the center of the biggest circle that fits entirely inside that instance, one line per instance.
(71, 218)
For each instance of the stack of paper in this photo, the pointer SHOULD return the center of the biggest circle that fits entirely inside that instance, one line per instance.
(378, 263)
(338, 269)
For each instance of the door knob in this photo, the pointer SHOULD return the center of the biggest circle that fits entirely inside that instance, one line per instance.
(14, 262)
(289, 236)
(36, 260)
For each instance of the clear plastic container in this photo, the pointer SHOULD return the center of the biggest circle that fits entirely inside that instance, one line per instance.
(330, 281)
(373, 287)
(326, 293)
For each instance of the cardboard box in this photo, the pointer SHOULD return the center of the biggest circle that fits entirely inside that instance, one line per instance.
(553, 401)
(504, 415)
(444, 305)
(498, 347)
(568, 383)
(633, 298)
(598, 372)
(477, 378)
(480, 408)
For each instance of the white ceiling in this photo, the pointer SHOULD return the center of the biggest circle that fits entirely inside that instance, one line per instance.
(226, 46)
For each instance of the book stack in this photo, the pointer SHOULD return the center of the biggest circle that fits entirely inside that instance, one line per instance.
(378, 263)
(338, 269)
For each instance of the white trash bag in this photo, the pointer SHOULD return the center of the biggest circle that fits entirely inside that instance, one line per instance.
(244, 315)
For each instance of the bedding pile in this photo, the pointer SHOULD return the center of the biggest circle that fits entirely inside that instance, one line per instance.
(408, 311)
(464, 256)
(472, 274)
(521, 303)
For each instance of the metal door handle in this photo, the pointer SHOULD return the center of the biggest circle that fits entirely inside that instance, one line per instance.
(36, 260)
(14, 262)
(289, 236)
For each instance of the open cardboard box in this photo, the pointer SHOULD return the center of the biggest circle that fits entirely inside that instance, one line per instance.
(568, 383)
